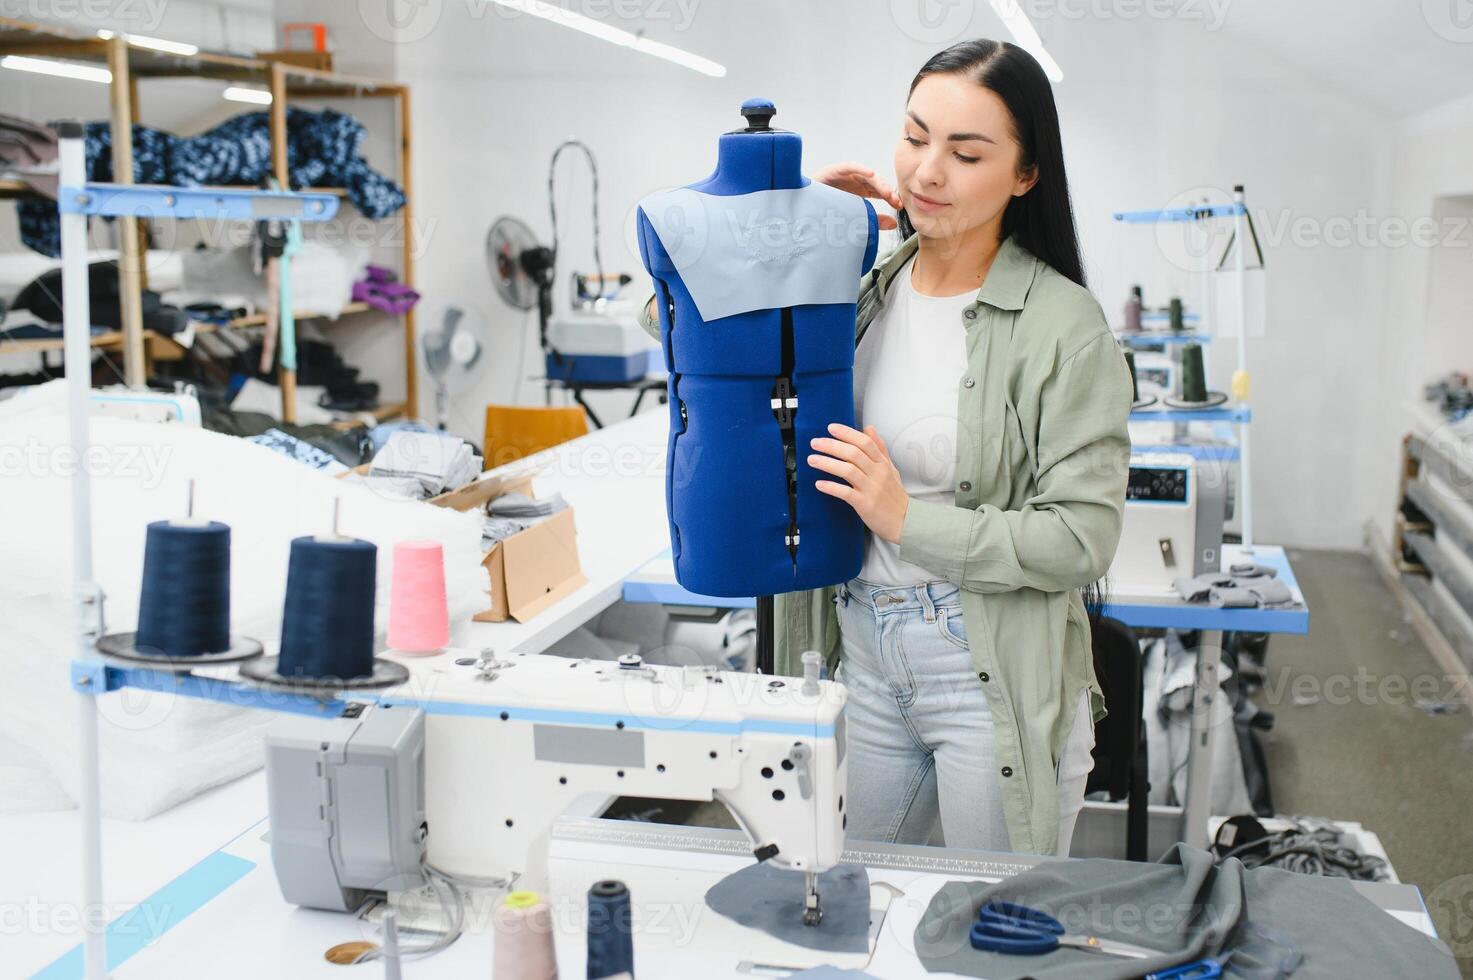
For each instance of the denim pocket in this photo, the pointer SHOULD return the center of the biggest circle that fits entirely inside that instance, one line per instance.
(949, 624)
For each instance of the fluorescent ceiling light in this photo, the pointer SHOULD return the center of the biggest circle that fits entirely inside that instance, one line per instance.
(61, 69)
(256, 96)
(154, 43)
(1025, 37)
(615, 35)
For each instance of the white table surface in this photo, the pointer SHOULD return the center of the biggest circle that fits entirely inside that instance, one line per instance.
(248, 931)
(614, 478)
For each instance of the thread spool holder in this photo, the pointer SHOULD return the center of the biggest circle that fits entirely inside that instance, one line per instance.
(1215, 408)
(92, 672)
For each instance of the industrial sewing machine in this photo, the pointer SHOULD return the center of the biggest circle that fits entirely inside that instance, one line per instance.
(465, 769)
(1172, 525)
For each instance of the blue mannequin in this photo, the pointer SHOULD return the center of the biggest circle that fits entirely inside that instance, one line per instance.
(749, 389)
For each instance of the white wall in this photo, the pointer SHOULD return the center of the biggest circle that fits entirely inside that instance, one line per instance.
(1151, 110)
(1424, 330)
(1155, 112)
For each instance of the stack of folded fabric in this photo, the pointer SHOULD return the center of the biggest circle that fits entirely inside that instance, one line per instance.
(420, 465)
(514, 512)
(1242, 586)
(299, 450)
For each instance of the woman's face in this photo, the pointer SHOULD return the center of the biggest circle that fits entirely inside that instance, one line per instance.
(956, 165)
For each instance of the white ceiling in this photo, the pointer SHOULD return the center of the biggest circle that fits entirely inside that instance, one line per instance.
(1402, 56)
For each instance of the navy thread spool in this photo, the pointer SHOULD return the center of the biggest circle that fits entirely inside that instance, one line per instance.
(184, 605)
(327, 624)
(610, 943)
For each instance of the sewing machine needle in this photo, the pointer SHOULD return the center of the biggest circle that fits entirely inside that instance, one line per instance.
(812, 914)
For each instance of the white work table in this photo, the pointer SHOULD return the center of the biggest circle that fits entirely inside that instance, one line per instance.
(614, 479)
(207, 903)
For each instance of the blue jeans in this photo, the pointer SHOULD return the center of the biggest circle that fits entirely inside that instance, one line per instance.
(920, 744)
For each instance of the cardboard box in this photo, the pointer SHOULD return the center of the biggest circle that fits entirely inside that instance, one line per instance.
(530, 570)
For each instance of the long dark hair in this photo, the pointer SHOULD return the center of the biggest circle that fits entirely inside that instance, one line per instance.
(1042, 220)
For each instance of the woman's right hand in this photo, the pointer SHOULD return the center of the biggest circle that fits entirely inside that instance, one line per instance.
(861, 180)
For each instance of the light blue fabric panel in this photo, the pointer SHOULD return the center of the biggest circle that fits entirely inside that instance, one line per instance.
(802, 246)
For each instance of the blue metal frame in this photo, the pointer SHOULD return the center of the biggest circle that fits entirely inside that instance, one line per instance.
(97, 677)
(146, 201)
(1237, 413)
(1176, 614)
(1209, 452)
(1198, 213)
(1149, 338)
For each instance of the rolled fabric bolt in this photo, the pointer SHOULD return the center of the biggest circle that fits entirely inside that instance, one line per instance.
(610, 943)
(418, 619)
(1193, 375)
(523, 939)
(184, 604)
(1178, 315)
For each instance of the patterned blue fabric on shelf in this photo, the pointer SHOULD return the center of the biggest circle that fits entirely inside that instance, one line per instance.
(322, 151)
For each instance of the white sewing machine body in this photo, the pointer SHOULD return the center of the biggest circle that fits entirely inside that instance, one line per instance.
(1172, 525)
(510, 745)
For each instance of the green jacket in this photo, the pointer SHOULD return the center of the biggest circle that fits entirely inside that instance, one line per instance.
(1039, 499)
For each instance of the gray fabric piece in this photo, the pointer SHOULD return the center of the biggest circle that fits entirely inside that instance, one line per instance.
(1197, 589)
(1232, 598)
(1248, 569)
(1169, 673)
(1186, 908)
(800, 246)
(516, 505)
(1270, 591)
(768, 898)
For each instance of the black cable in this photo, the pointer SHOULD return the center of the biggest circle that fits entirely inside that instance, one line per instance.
(598, 261)
(1307, 849)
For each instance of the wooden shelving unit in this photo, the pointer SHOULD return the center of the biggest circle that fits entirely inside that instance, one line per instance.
(129, 63)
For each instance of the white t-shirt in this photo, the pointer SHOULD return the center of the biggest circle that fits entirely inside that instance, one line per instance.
(907, 370)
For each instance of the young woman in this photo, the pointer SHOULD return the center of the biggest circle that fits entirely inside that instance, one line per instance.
(990, 472)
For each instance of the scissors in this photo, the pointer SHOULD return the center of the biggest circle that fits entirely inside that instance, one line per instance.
(1008, 927)
(1198, 970)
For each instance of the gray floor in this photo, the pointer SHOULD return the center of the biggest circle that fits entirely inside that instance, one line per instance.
(1359, 747)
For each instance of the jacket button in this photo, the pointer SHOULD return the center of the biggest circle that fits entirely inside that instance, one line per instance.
(967, 382)
(1007, 770)
(966, 485)
(970, 314)
(982, 676)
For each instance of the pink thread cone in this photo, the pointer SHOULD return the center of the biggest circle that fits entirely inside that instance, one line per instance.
(418, 621)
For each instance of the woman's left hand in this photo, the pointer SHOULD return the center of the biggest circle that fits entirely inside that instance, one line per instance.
(873, 485)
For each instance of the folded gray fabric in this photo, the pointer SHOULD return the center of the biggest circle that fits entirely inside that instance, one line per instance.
(1197, 589)
(1232, 598)
(1271, 592)
(1248, 569)
(1187, 909)
(521, 505)
(437, 461)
